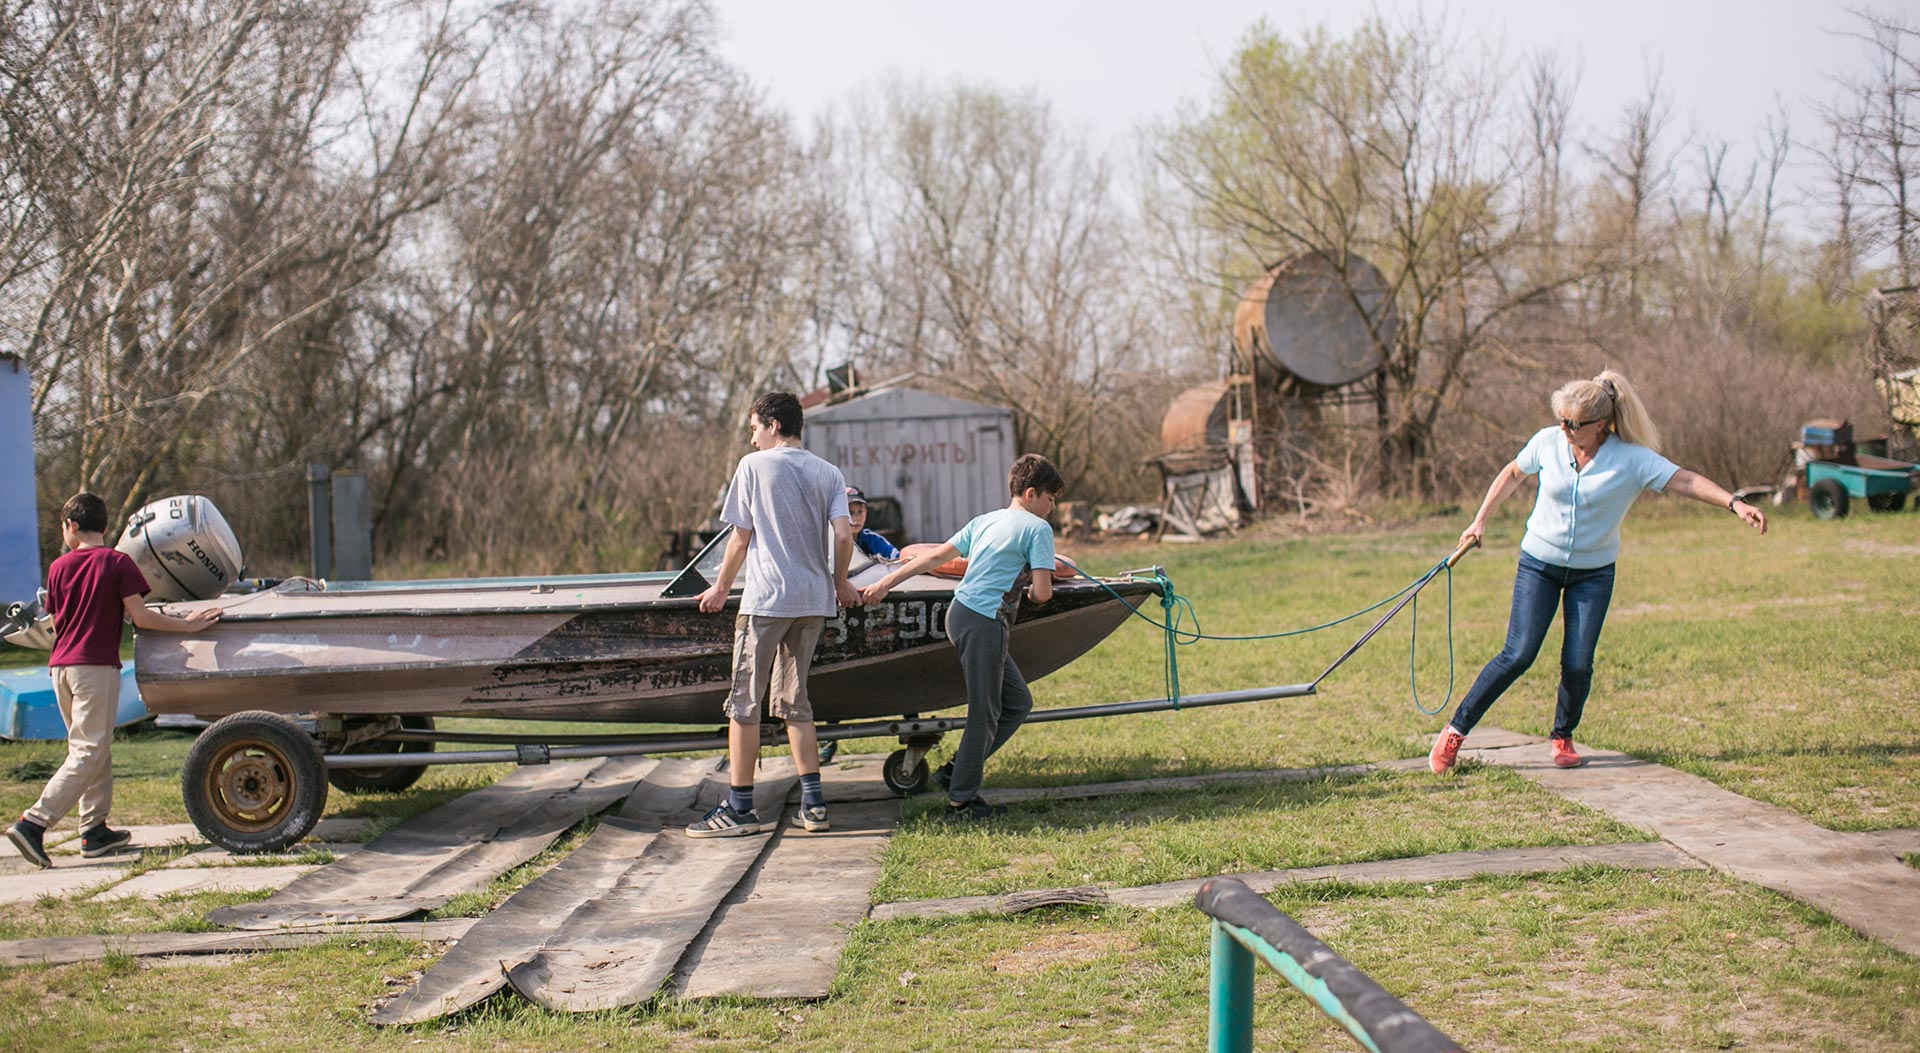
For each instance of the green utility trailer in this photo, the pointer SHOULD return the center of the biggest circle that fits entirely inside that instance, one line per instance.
(1883, 484)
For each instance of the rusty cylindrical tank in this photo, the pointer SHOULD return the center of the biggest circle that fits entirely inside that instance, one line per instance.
(1309, 324)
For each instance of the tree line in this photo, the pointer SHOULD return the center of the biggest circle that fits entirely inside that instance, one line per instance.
(525, 264)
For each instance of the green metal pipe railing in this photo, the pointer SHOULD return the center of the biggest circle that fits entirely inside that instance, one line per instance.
(1246, 926)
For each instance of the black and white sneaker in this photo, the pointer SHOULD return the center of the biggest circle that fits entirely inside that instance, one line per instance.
(811, 817)
(973, 811)
(30, 838)
(723, 821)
(100, 841)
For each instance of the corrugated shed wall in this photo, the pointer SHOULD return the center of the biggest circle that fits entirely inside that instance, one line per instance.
(944, 460)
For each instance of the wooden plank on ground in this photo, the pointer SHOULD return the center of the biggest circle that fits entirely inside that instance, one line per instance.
(1451, 866)
(455, 848)
(617, 949)
(780, 933)
(472, 970)
(64, 950)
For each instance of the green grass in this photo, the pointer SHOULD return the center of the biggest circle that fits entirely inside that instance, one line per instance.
(1780, 667)
(1591, 959)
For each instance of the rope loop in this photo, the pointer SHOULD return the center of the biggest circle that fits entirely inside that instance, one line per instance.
(1177, 610)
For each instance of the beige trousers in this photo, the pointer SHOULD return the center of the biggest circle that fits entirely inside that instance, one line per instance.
(89, 698)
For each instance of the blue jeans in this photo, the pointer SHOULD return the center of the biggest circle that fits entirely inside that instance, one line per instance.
(1537, 589)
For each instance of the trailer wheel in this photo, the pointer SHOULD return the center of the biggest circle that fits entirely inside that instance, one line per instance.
(385, 780)
(900, 780)
(1828, 499)
(1886, 502)
(254, 782)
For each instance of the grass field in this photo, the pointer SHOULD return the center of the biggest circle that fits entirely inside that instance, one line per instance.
(1780, 667)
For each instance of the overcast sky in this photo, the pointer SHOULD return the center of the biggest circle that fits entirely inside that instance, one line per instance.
(1112, 66)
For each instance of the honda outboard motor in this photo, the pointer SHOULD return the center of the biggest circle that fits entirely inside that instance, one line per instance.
(184, 547)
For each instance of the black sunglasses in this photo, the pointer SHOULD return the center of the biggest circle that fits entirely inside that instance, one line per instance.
(1576, 426)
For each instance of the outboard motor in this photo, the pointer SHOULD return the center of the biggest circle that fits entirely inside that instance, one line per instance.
(28, 624)
(184, 547)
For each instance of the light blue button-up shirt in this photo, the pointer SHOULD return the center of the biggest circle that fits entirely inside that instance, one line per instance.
(1576, 517)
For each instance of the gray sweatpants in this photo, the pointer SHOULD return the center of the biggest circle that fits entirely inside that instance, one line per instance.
(997, 696)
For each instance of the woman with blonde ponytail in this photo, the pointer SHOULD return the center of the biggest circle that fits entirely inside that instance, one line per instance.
(1592, 464)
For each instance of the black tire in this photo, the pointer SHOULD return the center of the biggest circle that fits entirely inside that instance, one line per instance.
(1828, 499)
(1886, 502)
(898, 779)
(385, 780)
(254, 782)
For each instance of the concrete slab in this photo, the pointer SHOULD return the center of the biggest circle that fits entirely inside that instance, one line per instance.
(156, 883)
(1451, 866)
(59, 881)
(1855, 880)
(1904, 842)
(60, 950)
(64, 841)
(220, 857)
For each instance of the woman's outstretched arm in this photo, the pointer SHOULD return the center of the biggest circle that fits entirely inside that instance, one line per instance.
(1707, 492)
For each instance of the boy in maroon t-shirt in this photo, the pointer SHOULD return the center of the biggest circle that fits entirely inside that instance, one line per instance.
(89, 590)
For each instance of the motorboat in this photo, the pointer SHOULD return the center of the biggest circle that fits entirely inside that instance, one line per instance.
(613, 647)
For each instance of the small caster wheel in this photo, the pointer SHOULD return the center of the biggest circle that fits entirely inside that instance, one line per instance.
(899, 777)
(828, 750)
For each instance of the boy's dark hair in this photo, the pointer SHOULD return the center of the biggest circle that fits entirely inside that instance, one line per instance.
(89, 513)
(1032, 471)
(782, 408)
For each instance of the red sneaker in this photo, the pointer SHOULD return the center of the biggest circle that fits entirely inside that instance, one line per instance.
(1563, 754)
(1446, 749)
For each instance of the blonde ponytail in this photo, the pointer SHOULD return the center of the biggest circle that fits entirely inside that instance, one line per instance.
(1611, 397)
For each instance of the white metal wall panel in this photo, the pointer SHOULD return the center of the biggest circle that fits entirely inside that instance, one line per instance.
(944, 460)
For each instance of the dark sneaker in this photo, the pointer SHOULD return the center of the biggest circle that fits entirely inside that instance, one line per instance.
(723, 821)
(973, 811)
(99, 841)
(28, 837)
(811, 817)
(943, 776)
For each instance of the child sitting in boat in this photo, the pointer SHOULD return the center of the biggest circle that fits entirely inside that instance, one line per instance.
(871, 542)
(1008, 551)
(90, 590)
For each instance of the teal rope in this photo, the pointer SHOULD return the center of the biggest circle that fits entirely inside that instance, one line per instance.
(1176, 609)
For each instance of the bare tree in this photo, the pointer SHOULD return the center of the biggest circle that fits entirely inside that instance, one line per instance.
(996, 258)
(1390, 145)
(1875, 129)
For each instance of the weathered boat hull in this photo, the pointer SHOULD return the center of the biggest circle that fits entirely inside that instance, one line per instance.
(580, 650)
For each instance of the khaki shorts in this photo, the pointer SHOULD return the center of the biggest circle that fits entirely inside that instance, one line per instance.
(771, 658)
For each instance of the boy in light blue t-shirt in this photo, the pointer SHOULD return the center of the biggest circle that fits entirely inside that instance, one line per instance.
(1008, 551)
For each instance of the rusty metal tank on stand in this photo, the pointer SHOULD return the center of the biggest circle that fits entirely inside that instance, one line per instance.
(1307, 335)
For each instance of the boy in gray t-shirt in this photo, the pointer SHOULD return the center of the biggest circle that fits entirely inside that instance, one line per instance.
(780, 503)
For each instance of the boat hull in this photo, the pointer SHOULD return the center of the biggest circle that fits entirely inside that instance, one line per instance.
(644, 661)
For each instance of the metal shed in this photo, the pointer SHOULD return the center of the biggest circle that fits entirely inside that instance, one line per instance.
(944, 459)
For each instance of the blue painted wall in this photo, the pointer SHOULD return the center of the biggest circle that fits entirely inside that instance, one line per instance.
(19, 514)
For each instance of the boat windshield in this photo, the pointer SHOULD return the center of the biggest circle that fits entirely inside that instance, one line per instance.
(701, 570)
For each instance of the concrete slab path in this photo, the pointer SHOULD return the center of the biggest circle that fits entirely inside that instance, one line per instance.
(1853, 877)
